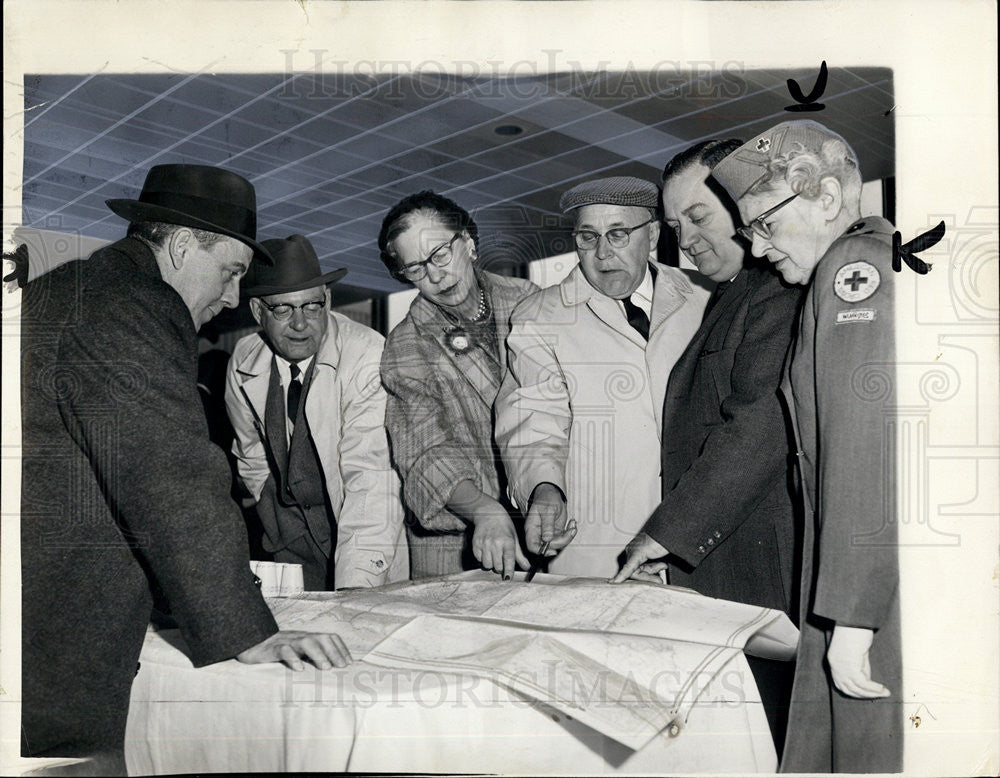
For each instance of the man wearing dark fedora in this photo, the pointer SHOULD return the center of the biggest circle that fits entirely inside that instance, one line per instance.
(123, 495)
(308, 409)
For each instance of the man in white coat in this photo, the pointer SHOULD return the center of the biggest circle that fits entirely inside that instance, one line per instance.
(307, 405)
(578, 415)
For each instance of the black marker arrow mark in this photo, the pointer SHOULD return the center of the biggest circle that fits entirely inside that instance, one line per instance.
(905, 253)
(19, 275)
(808, 102)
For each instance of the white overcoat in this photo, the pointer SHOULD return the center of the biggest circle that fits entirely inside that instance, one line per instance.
(581, 404)
(345, 411)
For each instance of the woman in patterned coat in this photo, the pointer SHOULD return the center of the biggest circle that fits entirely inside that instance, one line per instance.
(442, 367)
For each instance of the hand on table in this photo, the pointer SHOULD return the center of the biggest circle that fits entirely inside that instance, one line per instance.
(546, 514)
(494, 540)
(849, 665)
(291, 646)
(642, 549)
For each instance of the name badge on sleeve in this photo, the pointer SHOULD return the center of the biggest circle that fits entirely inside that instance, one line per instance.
(855, 315)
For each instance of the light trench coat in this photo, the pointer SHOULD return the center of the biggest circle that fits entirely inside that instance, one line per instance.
(345, 411)
(581, 404)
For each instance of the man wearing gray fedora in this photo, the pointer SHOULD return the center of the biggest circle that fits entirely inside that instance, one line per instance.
(308, 408)
(123, 495)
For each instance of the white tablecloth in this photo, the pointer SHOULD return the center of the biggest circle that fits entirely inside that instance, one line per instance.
(232, 717)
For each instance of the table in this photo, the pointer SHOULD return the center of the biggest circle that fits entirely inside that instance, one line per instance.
(231, 717)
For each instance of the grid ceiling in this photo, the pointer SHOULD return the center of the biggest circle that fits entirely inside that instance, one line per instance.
(329, 155)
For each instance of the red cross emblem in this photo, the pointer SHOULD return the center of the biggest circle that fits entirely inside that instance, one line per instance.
(856, 281)
(764, 144)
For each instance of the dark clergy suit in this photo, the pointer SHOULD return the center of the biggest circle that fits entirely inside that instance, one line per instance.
(122, 492)
(727, 516)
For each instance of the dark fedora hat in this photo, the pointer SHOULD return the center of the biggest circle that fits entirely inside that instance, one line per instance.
(296, 267)
(198, 196)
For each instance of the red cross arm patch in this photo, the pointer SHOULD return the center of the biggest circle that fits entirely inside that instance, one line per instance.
(856, 281)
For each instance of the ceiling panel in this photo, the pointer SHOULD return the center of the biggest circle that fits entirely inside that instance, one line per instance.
(329, 156)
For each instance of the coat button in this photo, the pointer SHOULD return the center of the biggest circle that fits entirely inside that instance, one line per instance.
(718, 534)
(701, 549)
(306, 506)
(379, 564)
(711, 542)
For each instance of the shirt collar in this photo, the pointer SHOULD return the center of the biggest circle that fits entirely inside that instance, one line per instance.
(285, 371)
(644, 292)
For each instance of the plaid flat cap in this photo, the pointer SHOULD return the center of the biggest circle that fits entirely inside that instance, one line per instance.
(616, 190)
(745, 167)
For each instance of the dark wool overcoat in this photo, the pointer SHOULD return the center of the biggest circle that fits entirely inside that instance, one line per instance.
(122, 493)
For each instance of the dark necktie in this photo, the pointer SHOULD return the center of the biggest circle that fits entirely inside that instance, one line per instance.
(294, 393)
(636, 317)
(720, 289)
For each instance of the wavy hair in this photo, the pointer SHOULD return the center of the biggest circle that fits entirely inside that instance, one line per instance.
(400, 215)
(803, 169)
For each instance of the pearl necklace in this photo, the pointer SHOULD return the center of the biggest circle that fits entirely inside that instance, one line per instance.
(481, 311)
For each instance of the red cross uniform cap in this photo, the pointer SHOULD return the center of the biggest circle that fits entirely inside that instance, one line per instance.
(750, 163)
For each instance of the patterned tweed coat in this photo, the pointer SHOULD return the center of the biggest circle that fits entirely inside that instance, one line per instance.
(439, 412)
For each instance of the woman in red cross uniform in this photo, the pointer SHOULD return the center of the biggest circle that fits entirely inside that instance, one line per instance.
(798, 189)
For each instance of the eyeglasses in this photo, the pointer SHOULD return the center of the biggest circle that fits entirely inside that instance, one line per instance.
(759, 226)
(439, 257)
(617, 237)
(283, 311)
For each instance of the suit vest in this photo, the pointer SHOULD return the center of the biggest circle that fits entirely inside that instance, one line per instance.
(296, 470)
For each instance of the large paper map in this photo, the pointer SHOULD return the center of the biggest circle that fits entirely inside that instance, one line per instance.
(628, 660)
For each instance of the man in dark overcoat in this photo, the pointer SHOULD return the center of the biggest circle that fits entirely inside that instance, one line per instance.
(122, 492)
(727, 516)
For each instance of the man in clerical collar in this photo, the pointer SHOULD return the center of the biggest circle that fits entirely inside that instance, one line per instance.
(578, 415)
(308, 409)
(725, 525)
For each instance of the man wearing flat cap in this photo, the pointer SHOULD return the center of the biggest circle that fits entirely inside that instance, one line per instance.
(578, 416)
(122, 492)
(308, 408)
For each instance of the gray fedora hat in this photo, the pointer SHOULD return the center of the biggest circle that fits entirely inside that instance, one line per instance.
(296, 267)
(199, 196)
